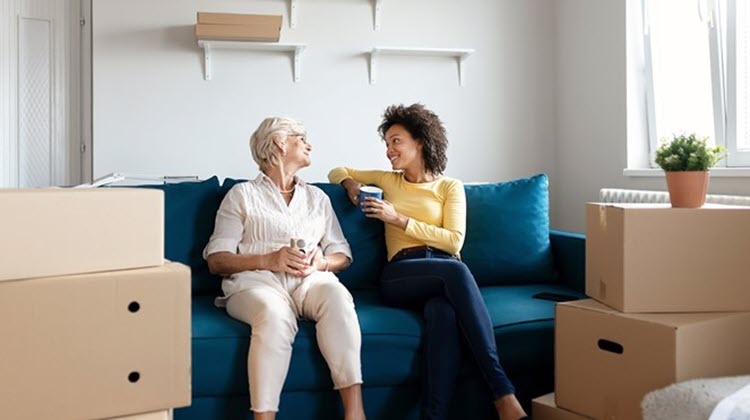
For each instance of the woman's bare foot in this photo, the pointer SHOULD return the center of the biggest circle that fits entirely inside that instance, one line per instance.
(508, 408)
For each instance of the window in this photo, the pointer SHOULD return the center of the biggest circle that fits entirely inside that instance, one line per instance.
(737, 35)
(697, 72)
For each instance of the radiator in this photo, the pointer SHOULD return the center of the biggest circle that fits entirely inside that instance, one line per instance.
(614, 195)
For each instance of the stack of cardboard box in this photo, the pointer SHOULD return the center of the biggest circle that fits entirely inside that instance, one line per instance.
(671, 302)
(93, 322)
(238, 27)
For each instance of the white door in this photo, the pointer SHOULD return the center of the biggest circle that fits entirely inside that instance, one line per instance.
(40, 87)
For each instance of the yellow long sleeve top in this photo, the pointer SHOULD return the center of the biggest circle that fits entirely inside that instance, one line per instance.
(436, 209)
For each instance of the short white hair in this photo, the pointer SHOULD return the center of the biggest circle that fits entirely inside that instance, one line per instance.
(262, 143)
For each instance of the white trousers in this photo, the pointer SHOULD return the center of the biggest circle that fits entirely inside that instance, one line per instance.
(272, 305)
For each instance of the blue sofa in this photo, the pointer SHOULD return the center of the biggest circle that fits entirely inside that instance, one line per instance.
(509, 248)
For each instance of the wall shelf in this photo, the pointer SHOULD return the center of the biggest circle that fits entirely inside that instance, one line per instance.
(209, 46)
(460, 55)
(293, 14)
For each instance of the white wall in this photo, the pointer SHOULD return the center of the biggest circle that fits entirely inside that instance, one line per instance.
(154, 113)
(547, 91)
(592, 125)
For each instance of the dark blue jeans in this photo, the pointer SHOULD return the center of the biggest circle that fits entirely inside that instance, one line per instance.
(453, 309)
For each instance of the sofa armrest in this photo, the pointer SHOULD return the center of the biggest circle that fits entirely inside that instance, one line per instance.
(569, 253)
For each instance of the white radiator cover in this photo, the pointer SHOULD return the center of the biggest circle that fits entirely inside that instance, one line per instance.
(615, 195)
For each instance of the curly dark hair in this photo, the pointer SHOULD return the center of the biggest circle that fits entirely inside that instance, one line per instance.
(425, 127)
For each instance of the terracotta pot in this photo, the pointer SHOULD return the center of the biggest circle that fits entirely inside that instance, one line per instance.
(687, 189)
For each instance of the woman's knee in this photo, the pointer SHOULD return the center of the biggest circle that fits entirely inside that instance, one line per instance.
(439, 310)
(279, 317)
(333, 293)
(457, 273)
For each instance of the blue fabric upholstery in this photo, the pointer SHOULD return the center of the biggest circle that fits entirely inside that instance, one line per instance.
(569, 251)
(189, 215)
(507, 232)
(391, 337)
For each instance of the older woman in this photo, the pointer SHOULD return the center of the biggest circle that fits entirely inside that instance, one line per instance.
(277, 243)
(425, 216)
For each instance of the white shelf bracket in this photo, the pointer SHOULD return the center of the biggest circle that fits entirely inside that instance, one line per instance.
(292, 14)
(297, 71)
(462, 69)
(372, 67)
(206, 62)
(377, 14)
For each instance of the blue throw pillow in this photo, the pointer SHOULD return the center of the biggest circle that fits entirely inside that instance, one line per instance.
(507, 232)
(189, 215)
(226, 186)
(365, 236)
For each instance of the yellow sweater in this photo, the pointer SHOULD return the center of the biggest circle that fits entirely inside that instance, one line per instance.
(436, 210)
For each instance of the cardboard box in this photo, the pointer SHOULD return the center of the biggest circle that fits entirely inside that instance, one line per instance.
(653, 258)
(238, 27)
(544, 408)
(239, 19)
(95, 345)
(156, 415)
(606, 361)
(258, 33)
(54, 232)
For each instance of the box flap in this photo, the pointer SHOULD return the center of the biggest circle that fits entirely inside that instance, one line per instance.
(673, 320)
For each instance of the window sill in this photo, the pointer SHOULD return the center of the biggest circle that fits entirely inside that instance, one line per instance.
(715, 173)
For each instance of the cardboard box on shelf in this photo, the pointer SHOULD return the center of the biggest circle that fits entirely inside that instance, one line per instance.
(653, 258)
(544, 408)
(238, 27)
(54, 232)
(238, 19)
(95, 345)
(257, 33)
(606, 361)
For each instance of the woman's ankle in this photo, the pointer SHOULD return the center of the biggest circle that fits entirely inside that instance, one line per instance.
(509, 408)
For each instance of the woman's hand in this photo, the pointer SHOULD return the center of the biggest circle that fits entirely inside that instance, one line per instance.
(287, 260)
(352, 190)
(317, 263)
(383, 210)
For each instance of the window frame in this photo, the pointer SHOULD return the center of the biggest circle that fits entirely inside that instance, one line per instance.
(723, 82)
(735, 157)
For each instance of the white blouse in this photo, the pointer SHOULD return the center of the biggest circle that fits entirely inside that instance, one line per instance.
(255, 219)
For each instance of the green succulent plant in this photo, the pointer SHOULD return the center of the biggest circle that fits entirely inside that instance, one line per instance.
(688, 153)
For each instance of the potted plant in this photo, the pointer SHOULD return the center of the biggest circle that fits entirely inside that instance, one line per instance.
(686, 161)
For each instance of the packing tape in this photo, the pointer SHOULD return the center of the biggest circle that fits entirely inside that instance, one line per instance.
(603, 217)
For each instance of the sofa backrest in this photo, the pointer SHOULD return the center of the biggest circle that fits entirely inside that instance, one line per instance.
(507, 239)
(189, 214)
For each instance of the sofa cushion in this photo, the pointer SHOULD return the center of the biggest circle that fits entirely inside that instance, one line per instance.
(391, 340)
(365, 236)
(189, 215)
(507, 232)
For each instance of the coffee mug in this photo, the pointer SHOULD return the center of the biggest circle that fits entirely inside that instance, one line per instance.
(369, 191)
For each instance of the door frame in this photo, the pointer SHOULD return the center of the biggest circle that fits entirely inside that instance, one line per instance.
(87, 93)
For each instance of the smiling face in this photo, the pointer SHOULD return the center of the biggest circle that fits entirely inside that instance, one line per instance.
(402, 149)
(298, 149)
